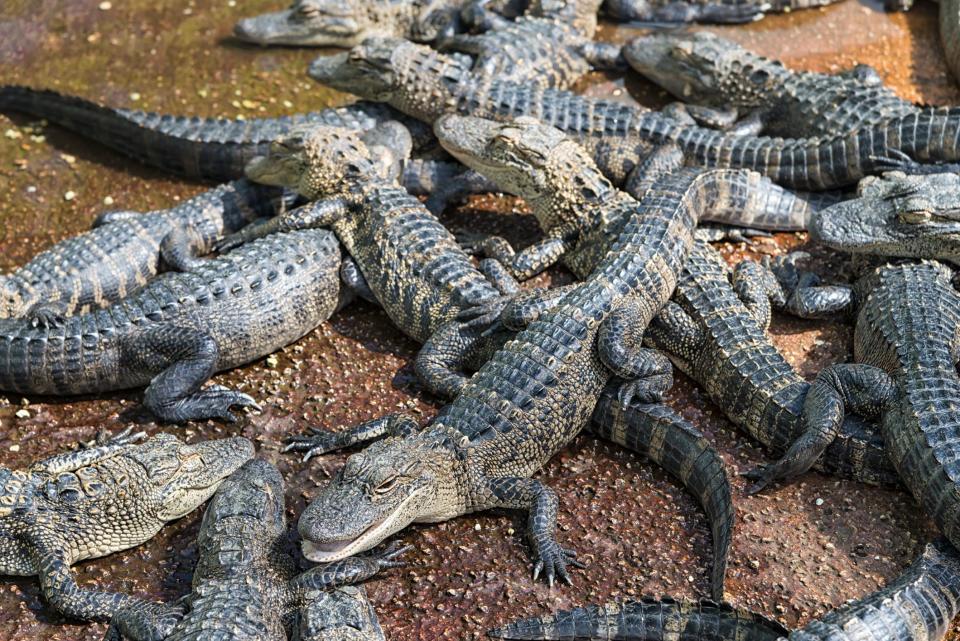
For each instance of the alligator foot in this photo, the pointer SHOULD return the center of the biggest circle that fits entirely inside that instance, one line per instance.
(48, 315)
(214, 401)
(316, 443)
(552, 560)
(651, 389)
(124, 437)
(761, 476)
(388, 556)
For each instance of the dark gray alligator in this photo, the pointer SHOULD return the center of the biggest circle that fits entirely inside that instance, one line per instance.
(180, 329)
(407, 260)
(897, 215)
(917, 606)
(905, 346)
(345, 23)
(531, 398)
(93, 502)
(246, 586)
(426, 84)
(124, 250)
(209, 148)
(714, 73)
(704, 11)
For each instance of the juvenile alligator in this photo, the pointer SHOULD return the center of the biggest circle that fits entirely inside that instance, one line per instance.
(425, 84)
(345, 23)
(408, 261)
(124, 250)
(703, 11)
(716, 330)
(208, 148)
(93, 502)
(173, 334)
(918, 606)
(714, 73)
(897, 215)
(905, 346)
(530, 399)
(245, 585)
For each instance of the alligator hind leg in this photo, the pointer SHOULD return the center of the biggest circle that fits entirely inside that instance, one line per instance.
(179, 250)
(319, 441)
(454, 350)
(541, 503)
(190, 358)
(863, 389)
(647, 373)
(522, 265)
(757, 288)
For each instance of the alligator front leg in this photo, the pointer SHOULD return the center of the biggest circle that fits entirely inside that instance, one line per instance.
(59, 585)
(863, 389)
(443, 363)
(320, 441)
(353, 569)
(522, 265)
(541, 503)
(321, 213)
(647, 373)
(188, 358)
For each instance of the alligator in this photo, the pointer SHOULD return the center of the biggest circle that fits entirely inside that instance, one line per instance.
(341, 614)
(207, 148)
(345, 23)
(702, 11)
(95, 501)
(724, 81)
(905, 341)
(530, 399)
(714, 331)
(918, 606)
(125, 249)
(245, 585)
(896, 215)
(426, 84)
(551, 45)
(407, 260)
(174, 333)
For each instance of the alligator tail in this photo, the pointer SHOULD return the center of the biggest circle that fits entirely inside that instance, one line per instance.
(658, 433)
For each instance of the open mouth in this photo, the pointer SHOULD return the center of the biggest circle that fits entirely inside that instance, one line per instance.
(373, 535)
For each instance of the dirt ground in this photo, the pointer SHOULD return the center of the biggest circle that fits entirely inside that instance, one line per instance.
(798, 550)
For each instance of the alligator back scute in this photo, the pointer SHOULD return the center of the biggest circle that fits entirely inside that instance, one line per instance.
(16, 492)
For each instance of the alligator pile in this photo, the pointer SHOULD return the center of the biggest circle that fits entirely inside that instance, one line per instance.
(469, 96)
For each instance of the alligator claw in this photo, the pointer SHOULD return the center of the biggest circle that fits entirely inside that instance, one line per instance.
(761, 477)
(319, 442)
(46, 318)
(387, 558)
(485, 314)
(552, 561)
(123, 437)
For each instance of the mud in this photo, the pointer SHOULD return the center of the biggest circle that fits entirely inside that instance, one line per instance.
(798, 550)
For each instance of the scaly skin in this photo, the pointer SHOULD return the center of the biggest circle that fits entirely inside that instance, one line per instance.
(530, 399)
(125, 250)
(411, 264)
(905, 342)
(682, 11)
(193, 147)
(897, 215)
(714, 331)
(173, 334)
(709, 71)
(93, 502)
(345, 23)
(425, 84)
(343, 614)
(647, 619)
(245, 585)
(918, 606)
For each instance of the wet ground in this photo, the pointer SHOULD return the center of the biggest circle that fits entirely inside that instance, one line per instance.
(798, 550)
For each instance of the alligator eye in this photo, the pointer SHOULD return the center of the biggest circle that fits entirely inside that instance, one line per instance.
(387, 485)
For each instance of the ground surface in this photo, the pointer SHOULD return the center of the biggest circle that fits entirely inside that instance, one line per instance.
(798, 550)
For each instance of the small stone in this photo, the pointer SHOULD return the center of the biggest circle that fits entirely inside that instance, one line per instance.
(134, 96)
(755, 564)
(12, 134)
(819, 502)
(14, 448)
(67, 158)
(70, 195)
(272, 361)
(288, 104)
(477, 527)
(249, 104)
(231, 3)
(108, 200)
(31, 189)
(105, 6)
(22, 414)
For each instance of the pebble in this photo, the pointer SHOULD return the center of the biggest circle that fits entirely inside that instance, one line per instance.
(70, 195)
(22, 414)
(108, 200)
(105, 6)
(819, 502)
(15, 448)
(134, 96)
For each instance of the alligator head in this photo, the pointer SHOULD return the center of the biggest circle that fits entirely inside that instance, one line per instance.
(701, 68)
(125, 499)
(312, 23)
(530, 159)
(412, 77)
(319, 161)
(380, 491)
(343, 614)
(896, 215)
